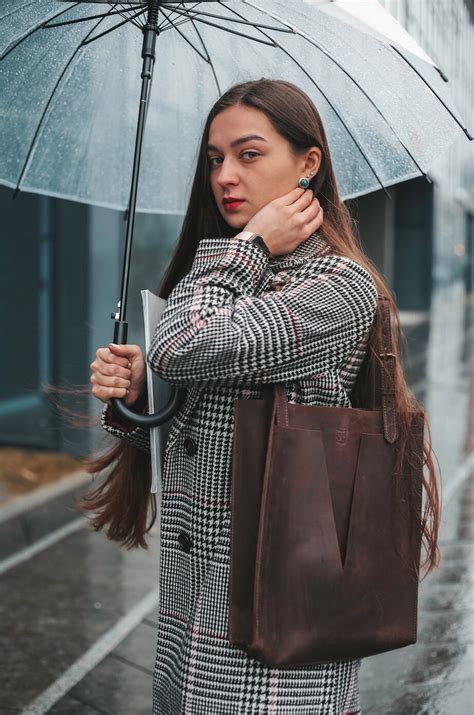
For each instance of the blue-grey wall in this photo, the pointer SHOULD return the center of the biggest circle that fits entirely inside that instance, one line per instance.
(60, 273)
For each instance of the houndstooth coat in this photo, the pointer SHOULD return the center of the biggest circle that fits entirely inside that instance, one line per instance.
(223, 333)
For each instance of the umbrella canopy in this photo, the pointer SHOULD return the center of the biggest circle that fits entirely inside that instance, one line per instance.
(70, 86)
(370, 16)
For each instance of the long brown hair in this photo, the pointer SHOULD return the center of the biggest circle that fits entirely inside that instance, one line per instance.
(122, 500)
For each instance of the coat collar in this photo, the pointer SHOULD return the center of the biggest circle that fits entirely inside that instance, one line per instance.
(314, 245)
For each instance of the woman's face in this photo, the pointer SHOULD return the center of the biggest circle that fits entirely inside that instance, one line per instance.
(255, 170)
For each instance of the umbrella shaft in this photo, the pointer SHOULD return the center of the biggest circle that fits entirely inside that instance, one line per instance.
(148, 54)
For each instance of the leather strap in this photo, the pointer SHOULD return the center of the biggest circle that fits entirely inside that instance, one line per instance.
(386, 369)
(387, 372)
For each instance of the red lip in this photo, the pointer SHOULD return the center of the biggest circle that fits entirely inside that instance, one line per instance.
(231, 204)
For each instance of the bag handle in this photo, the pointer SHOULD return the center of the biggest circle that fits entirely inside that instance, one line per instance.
(384, 388)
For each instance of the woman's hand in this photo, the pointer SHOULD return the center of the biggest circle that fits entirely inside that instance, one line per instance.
(287, 221)
(118, 371)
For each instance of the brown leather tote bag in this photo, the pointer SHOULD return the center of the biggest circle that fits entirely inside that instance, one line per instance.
(325, 551)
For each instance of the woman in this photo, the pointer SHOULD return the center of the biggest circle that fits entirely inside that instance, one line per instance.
(225, 333)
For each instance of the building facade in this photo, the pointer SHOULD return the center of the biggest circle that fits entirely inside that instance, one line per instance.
(445, 30)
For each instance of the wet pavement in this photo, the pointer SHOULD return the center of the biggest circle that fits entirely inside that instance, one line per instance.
(78, 614)
(435, 675)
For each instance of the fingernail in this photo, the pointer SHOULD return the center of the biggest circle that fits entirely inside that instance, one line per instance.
(113, 345)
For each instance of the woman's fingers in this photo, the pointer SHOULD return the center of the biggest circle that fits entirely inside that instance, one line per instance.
(127, 352)
(111, 368)
(107, 356)
(316, 222)
(311, 211)
(312, 207)
(290, 197)
(108, 365)
(105, 394)
(303, 202)
(106, 386)
(118, 371)
(99, 378)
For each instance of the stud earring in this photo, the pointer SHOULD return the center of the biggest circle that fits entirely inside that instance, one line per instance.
(303, 183)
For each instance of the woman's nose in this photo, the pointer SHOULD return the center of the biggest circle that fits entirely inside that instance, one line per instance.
(227, 173)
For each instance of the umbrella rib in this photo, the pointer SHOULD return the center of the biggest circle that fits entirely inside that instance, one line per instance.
(226, 29)
(206, 59)
(45, 110)
(81, 19)
(115, 27)
(333, 59)
(176, 24)
(211, 63)
(465, 130)
(242, 21)
(341, 67)
(369, 98)
(173, 11)
(32, 30)
(334, 109)
(132, 19)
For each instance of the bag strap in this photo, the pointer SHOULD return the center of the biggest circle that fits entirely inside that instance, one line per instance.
(384, 387)
(387, 371)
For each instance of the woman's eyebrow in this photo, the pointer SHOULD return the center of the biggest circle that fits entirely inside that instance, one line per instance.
(240, 140)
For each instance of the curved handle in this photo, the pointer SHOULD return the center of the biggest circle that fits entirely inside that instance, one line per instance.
(158, 418)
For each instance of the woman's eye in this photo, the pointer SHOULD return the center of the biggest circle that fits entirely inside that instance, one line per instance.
(255, 153)
(214, 158)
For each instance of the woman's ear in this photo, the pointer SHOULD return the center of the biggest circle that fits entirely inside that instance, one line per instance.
(313, 160)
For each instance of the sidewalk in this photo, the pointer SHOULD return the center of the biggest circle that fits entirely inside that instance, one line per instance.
(77, 614)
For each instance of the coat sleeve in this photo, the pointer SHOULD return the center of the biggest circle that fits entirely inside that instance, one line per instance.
(138, 436)
(214, 329)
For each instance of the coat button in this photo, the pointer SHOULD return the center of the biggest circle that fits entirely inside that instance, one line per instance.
(190, 446)
(184, 540)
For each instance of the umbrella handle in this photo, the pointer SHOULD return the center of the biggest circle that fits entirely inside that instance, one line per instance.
(125, 413)
(158, 418)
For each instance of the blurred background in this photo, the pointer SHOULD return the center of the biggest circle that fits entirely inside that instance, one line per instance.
(60, 264)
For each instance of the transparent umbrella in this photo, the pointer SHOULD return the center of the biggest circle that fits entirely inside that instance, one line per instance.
(70, 87)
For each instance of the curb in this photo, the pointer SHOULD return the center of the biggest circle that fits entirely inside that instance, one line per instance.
(32, 519)
(18, 505)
